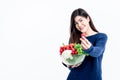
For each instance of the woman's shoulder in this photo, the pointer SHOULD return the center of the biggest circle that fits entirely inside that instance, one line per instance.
(98, 34)
(101, 34)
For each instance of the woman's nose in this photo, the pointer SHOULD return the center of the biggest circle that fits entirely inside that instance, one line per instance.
(79, 24)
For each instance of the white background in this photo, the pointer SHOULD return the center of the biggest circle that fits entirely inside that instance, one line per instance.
(31, 32)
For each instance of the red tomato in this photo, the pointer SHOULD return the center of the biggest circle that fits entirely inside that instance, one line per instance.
(83, 34)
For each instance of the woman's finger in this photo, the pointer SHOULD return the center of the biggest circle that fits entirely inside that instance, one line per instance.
(74, 66)
(83, 46)
(68, 66)
(85, 43)
(86, 40)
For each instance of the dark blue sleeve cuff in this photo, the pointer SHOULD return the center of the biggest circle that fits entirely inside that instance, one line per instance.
(89, 49)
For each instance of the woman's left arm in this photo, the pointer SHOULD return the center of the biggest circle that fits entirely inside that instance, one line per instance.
(94, 50)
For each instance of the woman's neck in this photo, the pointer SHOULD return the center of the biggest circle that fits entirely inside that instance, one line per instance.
(90, 32)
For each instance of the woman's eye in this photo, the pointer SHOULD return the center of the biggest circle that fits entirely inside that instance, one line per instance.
(76, 23)
(80, 20)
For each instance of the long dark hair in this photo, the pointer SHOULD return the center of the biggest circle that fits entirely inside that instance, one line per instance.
(74, 33)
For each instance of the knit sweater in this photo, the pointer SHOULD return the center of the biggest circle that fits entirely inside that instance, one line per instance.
(91, 68)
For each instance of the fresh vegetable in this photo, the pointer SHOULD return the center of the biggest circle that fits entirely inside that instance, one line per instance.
(72, 54)
(74, 47)
(83, 34)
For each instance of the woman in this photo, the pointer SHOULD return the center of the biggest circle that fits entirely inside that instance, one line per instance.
(93, 43)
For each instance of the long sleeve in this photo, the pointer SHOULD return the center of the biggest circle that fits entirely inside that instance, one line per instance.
(98, 47)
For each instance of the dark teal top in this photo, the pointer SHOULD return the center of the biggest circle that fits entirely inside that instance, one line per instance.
(91, 68)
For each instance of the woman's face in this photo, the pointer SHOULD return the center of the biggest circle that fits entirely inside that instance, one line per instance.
(82, 23)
